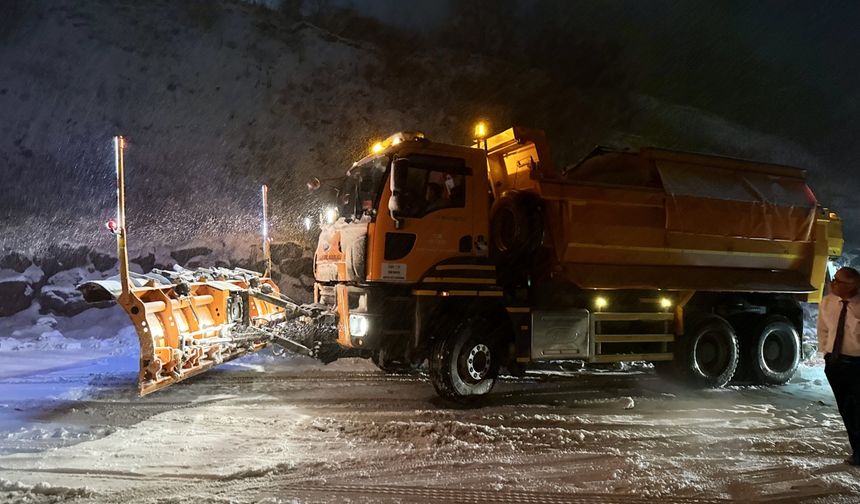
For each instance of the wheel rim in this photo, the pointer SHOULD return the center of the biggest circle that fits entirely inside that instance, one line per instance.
(712, 355)
(476, 362)
(777, 351)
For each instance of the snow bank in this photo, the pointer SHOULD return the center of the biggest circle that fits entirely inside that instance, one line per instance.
(456, 436)
(32, 274)
(45, 489)
(31, 327)
(31, 343)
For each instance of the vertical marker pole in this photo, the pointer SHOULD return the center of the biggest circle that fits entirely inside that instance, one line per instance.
(121, 249)
(267, 252)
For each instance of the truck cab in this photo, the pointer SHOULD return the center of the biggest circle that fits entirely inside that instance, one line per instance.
(410, 216)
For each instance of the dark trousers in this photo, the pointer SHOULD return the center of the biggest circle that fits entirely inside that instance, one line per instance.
(843, 374)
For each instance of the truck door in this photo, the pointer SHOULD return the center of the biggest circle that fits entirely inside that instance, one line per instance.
(435, 214)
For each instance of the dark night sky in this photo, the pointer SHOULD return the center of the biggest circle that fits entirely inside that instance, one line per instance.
(787, 68)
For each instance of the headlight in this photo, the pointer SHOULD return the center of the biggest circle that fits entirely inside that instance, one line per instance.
(330, 215)
(665, 303)
(358, 325)
(600, 302)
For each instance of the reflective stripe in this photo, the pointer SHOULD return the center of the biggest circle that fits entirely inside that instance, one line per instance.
(516, 309)
(446, 293)
(681, 251)
(487, 281)
(462, 293)
(465, 267)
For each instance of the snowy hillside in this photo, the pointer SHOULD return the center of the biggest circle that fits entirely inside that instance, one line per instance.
(212, 108)
(219, 97)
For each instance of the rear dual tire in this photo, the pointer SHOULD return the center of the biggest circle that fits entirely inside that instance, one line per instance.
(706, 356)
(774, 353)
(709, 355)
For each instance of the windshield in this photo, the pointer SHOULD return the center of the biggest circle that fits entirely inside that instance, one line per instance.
(361, 188)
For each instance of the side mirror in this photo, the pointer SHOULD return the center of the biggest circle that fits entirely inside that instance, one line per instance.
(314, 184)
(398, 184)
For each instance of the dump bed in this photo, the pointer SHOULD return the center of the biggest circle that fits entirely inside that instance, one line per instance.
(671, 220)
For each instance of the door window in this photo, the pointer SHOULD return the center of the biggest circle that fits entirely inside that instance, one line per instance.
(433, 184)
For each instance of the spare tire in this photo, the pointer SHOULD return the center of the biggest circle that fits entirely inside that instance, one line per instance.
(516, 225)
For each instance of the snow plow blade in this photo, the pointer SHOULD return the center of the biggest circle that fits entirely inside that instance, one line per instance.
(189, 321)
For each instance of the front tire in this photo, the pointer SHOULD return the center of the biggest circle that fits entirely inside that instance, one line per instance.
(464, 362)
(710, 354)
(775, 352)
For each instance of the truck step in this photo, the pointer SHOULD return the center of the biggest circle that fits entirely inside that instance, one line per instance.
(633, 338)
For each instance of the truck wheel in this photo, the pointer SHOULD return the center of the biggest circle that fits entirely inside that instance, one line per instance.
(464, 362)
(775, 352)
(710, 353)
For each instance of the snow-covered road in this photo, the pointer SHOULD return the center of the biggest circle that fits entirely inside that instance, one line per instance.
(291, 430)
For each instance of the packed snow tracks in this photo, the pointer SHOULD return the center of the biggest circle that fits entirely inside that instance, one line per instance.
(266, 429)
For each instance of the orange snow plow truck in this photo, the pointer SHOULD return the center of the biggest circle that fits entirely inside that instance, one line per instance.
(485, 257)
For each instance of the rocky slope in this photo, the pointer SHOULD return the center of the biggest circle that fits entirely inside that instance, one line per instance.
(47, 281)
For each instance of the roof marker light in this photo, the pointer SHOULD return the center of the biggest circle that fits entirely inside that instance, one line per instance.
(481, 130)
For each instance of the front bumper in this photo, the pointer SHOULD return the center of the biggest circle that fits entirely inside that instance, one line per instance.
(366, 315)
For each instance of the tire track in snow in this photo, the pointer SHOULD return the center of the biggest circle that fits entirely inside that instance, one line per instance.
(468, 496)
